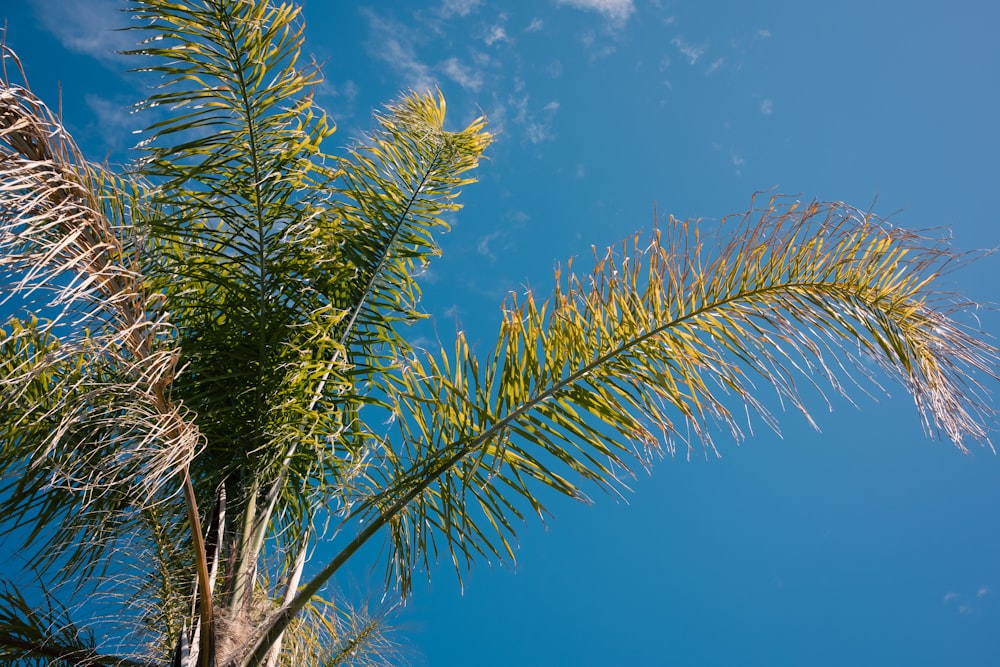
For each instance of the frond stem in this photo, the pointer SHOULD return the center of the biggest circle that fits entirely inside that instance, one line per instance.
(384, 257)
(207, 647)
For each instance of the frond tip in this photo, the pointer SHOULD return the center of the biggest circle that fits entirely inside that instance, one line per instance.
(788, 290)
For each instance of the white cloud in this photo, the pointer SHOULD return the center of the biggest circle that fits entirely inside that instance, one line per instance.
(737, 161)
(518, 218)
(716, 64)
(537, 133)
(767, 106)
(87, 26)
(462, 74)
(536, 124)
(458, 7)
(596, 49)
(689, 51)
(964, 603)
(390, 43)
(763, 33)
(616, 10)
(496, 34)
(483, 246)
(402, 57)
(520, 105)
(535, 25)
(115, 122)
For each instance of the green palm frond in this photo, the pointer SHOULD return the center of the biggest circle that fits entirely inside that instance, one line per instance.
(660, 344)
(394, 193)
(42, 633)
(239, 167)
(398, 185)
(341, 634)
(242, 180)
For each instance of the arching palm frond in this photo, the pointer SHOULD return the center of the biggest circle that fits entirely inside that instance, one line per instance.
(398, 183)
(341, 634)
(657, 345)
(661, 344)
(395, 191)
(239, 168)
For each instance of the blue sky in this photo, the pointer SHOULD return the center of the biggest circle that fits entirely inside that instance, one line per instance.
(865, 544)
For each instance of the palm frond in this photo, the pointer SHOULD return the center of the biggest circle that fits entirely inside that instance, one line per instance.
(338, 633)
(241, 175)
(88, 344)
(241, 171)
(399, 183)
(659, 345)
(41, 633)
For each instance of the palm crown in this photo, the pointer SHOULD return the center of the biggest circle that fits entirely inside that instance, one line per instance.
(200, 353)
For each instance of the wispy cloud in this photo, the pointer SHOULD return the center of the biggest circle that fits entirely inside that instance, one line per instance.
(767, 106)
(458, 7)
(496, 34)
(966, 604)
(535, 25)
(763, 33)
(87, 26)
(690, 51)
(483, 246)
(617, 11)
(716, 65)
(596, 49)
(462, 74)
(538, 132)
(539, 127)
(391, 43)
(114, 122)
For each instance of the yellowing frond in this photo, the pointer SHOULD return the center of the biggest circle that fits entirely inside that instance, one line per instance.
(659, 344)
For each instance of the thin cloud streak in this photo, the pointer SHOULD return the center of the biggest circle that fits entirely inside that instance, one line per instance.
(617, 11)
(91, 27)
(690, 51)
(390, 43)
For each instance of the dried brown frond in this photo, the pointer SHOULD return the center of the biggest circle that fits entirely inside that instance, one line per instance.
(71, 238)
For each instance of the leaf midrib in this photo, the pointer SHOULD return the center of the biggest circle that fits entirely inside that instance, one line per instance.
(284, 616)
(386, 252)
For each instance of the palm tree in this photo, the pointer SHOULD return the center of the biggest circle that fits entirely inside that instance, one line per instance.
(201, 352)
